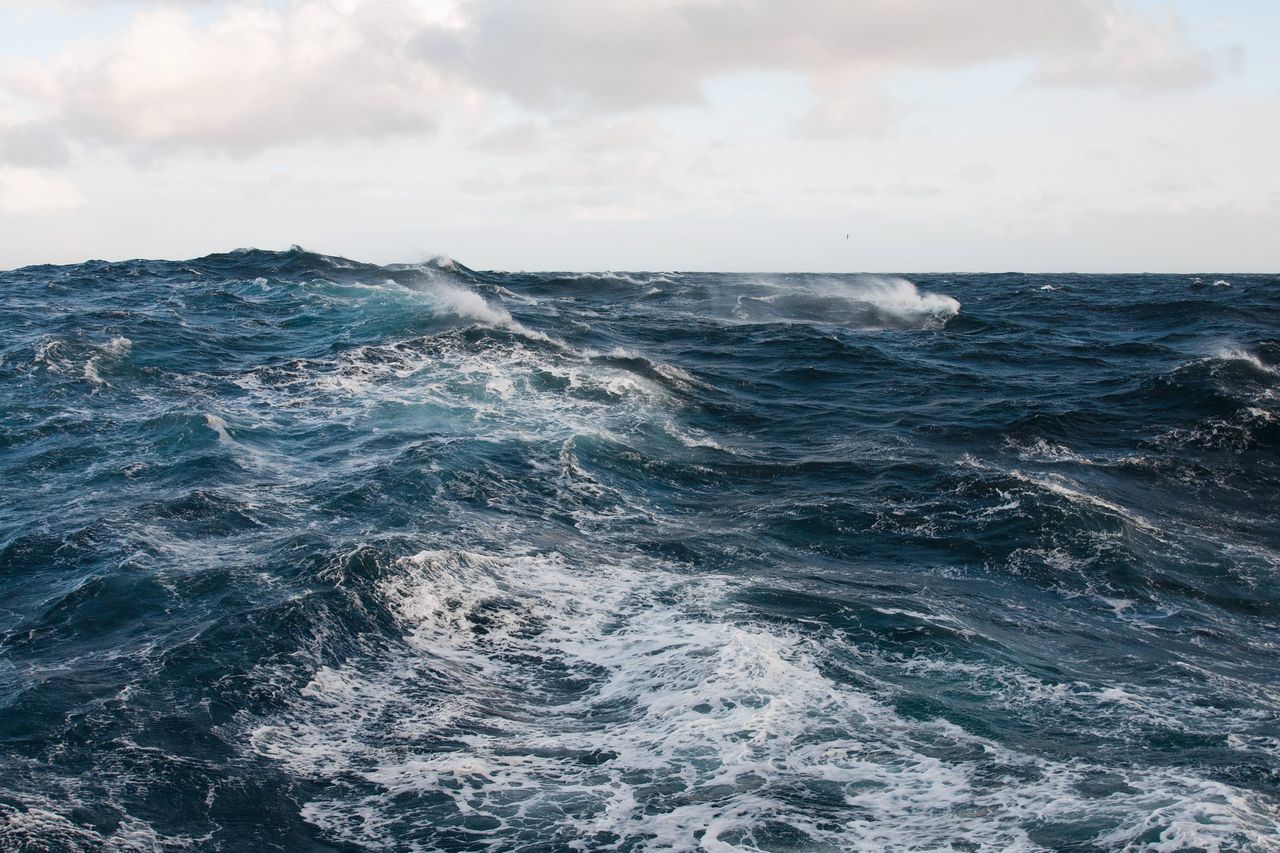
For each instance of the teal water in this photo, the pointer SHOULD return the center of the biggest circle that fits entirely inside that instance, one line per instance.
(299, 553)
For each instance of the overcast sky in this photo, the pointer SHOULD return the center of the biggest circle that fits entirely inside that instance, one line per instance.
(1092, 135)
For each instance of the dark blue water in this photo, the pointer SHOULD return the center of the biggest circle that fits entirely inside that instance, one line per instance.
(298, 553)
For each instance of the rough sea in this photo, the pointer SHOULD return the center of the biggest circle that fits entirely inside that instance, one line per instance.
(304, 554)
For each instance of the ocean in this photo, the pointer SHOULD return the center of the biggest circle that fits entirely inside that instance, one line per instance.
(299, 553)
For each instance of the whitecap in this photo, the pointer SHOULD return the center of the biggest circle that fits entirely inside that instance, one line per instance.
(1236, 353)
(118, 346)
(219, 426)
(869, 302)
(467, 304)
(91, 372)
(1075, 493)
(114, 350)
(1042, 450)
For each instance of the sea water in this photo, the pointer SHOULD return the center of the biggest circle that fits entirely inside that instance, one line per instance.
(301, 553)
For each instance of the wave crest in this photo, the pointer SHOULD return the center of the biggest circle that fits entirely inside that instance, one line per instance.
(866, 303)
(466, 304)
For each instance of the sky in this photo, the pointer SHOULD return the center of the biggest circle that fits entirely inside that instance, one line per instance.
(754, 135)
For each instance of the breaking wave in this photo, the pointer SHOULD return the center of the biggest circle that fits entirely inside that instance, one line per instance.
(868, 303)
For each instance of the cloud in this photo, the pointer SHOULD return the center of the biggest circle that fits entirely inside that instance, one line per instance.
(33, 144)
(251, 74)
(555, 53)
(595, 159)
(522, 137)
(1131, 52)
(647, 52)
(253, 77)
(26, 192)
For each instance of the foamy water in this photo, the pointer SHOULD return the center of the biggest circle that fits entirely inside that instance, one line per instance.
(631, 706)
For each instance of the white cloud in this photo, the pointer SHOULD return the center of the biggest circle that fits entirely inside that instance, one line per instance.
(660, 51)
(26, 192)
(587, 54)
(253, 77)
(33, 144)
(1134, 53)
(249, 75)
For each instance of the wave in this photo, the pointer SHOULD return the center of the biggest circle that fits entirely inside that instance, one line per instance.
(116, 349)
(614, 278)
(660, 372)
(451, 299)
(473, 382)
(1240, 354)
(868, 303)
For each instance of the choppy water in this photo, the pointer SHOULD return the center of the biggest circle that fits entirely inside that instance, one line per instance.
(298, 553)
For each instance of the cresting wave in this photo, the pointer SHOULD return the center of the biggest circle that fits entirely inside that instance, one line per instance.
(300, 553)
(866, 302)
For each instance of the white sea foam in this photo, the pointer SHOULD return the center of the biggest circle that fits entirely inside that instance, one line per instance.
(638, 279)
(676, 377)
(1041, 450)
(41, 825)
(218, 425)
(1237, 431)
(118, 346)
(466, 304)
(1235, 353)
(869, 302)
(50, 355)
(604, 704)
(518, 386)
(112, 351)
(1075, 493)
(902, 296)
(515, 297)
(91, 372)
